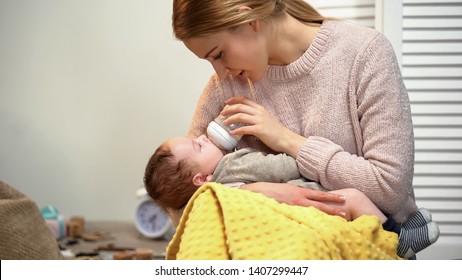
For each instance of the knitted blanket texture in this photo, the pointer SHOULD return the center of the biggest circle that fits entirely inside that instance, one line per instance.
(226, 223)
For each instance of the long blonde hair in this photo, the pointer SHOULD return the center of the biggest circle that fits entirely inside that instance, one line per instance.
(196, 18)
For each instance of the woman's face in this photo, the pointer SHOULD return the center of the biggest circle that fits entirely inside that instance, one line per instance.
(240, 53)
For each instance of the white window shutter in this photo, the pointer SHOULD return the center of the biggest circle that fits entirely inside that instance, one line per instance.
(427, 37)
(361, 12)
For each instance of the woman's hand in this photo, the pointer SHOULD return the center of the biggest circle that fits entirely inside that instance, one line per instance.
(294, 195)
(261, 124)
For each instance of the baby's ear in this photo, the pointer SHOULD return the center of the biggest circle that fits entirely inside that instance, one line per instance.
(201, 178)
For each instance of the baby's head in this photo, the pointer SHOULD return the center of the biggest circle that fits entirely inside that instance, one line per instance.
(178, 167)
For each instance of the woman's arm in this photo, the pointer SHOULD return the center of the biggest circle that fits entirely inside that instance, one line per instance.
(210, 105)
(380, 111)
(383, 167)
(294, 195)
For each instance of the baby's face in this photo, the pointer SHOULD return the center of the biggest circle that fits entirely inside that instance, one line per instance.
(199, 150)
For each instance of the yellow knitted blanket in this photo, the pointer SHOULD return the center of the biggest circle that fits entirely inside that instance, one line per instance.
(226, 223)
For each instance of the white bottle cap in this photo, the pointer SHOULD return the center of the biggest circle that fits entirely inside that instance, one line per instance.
(220, 137)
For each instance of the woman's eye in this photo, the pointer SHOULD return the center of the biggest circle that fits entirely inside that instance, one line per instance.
(218, 56)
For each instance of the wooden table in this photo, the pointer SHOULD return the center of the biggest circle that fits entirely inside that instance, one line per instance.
(116, 237)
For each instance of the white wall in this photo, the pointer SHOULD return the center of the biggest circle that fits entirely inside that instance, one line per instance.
(88, 88)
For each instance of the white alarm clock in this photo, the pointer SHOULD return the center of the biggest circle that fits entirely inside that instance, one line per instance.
(150, 219)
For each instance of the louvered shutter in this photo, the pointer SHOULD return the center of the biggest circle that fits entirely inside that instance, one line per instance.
(361, 12)
(432, 71)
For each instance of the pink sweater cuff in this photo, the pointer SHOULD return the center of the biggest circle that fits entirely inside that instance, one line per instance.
(314, 156)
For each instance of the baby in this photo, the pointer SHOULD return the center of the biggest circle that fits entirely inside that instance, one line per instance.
(180, 165)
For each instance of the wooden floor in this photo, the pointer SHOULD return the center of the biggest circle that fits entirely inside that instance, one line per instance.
(111, 239)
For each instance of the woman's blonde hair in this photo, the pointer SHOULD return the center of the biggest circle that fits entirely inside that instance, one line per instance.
(196, 18)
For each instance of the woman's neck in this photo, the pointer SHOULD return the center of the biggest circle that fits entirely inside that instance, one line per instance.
(288, 39)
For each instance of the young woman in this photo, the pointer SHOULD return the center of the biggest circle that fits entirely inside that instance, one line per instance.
(328, 93)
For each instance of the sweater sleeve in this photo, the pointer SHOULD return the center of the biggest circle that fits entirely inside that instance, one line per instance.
(209, 106)
(381, 117)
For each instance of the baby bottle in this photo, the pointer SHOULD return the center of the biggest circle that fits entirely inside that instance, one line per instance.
(218, 133)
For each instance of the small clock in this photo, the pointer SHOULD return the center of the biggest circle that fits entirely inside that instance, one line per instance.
(151, 220)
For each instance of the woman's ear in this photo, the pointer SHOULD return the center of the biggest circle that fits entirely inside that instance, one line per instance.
(201, 178)
(255, 23)
(244, 9)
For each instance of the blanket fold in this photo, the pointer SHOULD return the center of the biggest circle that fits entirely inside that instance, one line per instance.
(226, 223)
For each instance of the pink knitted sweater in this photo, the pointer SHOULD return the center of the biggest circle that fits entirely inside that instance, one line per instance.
(346, 94)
